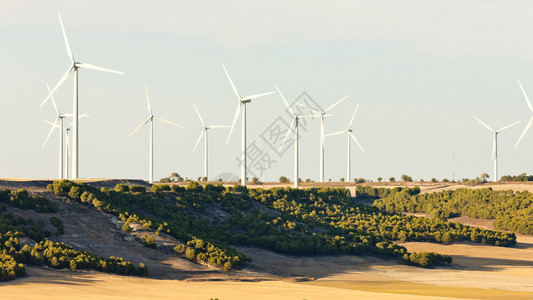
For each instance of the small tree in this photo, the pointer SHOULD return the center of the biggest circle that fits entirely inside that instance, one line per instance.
(406, 178)
(380, 179)
(433, 179)
(485, 176)
(392, 179)
(445, 180)
(283, 179)
(342, 179)
(255, 180)
(308, 180)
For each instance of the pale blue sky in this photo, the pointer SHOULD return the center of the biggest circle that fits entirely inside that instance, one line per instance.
(405, 63)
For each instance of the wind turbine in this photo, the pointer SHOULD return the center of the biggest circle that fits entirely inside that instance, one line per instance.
(59, 118)
(350, 134)
(204, 132)
(294, 126)
(67, 138)
(495, 144)
(74, 66)
(530, 120)
(242, 106)
(322, 114)
(151, 120)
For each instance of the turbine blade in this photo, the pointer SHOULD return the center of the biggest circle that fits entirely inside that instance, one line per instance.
(237, 112)
(503, 128)
(355, 139)
(524, 132)
(148, 99)
(484, 124)
(84, 115)
(285, 101)
(291, 128)
(93, 67)
(139, 127)
(525, 96)
(67, 44)
(337, 133)
(199, 117)
(232, 85)
(353, 116)
(53, 101)
(65, 76)
(50, 123)
(257, 96)
(199, 139)
(335, 104)
(167, 121)
(309, 108)
(50, 132)
(308, 116)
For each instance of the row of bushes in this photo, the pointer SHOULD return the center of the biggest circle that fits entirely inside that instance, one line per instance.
(22, 199)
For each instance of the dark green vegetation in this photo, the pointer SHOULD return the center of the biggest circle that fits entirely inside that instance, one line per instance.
(521, 177)
(55, 255)
(425, 259)
(208, 219)
(58, 224)
(22, 199)
(512, 211)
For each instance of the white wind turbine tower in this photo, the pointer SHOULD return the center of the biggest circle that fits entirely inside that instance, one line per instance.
(530, 120)
(323, 114)
(294, 126)
(350, 134)
(242, 106)
(74, 66)
(204, 132)
(67, 138)
(495, 144)
(151, 120)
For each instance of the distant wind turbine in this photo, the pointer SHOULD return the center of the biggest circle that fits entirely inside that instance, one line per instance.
(59, 118)
(242, 106)
(495, 144)
(150, 119)
(322, 114)
(67, 138)
(293, 127)
(74, 66)
(350, 134)
(204, 132)
(530, 120)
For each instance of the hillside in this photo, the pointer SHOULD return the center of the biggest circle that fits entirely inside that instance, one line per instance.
(361, 239)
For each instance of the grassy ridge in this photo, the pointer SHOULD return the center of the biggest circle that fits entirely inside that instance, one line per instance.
(511, 210)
